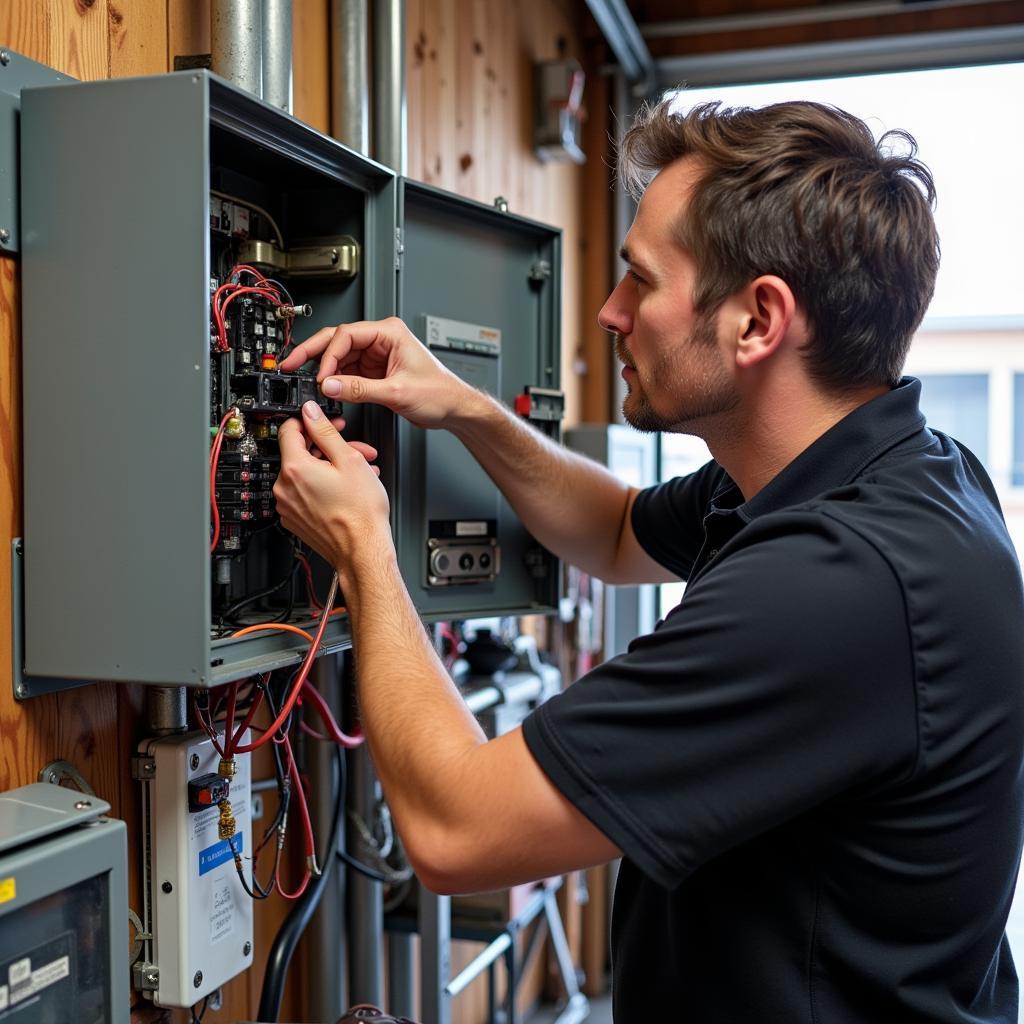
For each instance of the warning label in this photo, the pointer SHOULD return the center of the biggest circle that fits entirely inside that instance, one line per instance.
(29, 982)
(222, 909)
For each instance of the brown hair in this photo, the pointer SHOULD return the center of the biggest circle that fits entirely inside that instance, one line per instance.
(802, 191)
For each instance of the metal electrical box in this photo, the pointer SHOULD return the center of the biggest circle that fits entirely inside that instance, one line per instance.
(194, 904)
(139, 199)
(63, 908)
(482, 290)
(121, 222)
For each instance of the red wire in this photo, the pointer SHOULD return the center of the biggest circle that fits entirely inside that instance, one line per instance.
(218, 442)
(333, 731)
(297, 794)
(300, 679)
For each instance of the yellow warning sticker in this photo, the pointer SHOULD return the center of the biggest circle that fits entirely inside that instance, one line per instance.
(8, 890)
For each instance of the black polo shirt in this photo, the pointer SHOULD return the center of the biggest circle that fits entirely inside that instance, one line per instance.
(813, 766)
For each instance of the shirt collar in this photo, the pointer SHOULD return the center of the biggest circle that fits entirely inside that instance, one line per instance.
(839, 456)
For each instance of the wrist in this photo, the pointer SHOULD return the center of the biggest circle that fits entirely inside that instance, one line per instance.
(472, 411)
(372, 558)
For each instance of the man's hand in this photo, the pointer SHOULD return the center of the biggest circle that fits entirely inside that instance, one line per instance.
(329, 497)
(382, 361)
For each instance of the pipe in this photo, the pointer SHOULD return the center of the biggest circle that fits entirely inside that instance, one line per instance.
(366, 896)
(389, 112)
(619, 29)
(350, 113)
(236, 50)
(323, 953)
(277, 53)
(166, 709)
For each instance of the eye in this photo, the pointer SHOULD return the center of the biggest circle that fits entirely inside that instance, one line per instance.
(635, 276)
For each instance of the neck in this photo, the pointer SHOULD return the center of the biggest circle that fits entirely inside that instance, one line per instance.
(762, 437)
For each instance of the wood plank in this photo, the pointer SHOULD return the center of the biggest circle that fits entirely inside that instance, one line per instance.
(79, 44)
(24, 28)
(418, 116)
(188, 28)
(311, 72)
(138, 37)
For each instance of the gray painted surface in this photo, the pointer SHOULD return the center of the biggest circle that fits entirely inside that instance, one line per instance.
(116, 359)
(464, 261)
(48, 847)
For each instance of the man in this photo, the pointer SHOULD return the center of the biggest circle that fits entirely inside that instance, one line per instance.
(813, 766)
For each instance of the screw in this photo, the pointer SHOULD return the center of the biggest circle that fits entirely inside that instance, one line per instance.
(21, 690)
(81, 805)
(194, 761)
(19, 548)
(167, 887)
(247, 949)
(151, 977)
(5, 235)
(5, 57)
(198, 979)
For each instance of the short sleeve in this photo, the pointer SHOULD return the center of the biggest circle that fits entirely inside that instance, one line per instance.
(782, 680)
(668, 518)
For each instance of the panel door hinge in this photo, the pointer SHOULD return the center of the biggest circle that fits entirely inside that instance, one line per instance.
(143, 768)
(399, 248)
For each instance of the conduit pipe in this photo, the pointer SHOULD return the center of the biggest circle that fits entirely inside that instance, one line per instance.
(389, 111)
(350, 118)
(236, 50)
(277, 53)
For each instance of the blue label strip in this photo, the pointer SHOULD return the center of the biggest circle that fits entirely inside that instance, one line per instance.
(214, 856)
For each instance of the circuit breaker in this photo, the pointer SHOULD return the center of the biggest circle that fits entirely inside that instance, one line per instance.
(195, 904)
(159, 296)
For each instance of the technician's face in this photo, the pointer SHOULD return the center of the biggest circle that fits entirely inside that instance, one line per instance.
(674, 368)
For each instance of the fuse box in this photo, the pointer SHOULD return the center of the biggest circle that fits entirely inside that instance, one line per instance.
(159, 295)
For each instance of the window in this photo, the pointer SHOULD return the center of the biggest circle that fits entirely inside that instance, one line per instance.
(957, 404)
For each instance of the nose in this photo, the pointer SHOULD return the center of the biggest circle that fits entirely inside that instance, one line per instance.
(616, 315)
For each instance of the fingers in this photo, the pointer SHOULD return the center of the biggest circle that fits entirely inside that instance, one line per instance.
(291, 439)
(367, 343)
(323, 434)
(359, 390)
(309, 349)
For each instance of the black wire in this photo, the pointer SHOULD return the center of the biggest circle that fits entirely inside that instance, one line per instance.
(233, 610)
(295, 923)
(202, 1012)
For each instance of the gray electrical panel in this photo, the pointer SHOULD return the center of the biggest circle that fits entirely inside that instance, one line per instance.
(63, 908)
(139, 199)
(629, 612)
(119, 180)
(480, 288)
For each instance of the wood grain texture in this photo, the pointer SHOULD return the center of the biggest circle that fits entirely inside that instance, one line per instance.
(24, 28)
(311, 73)
(79, 38)
(138, 37)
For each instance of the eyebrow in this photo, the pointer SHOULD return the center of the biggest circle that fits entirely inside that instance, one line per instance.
(632, 259)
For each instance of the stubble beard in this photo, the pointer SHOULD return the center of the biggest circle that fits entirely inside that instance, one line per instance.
(702, 388)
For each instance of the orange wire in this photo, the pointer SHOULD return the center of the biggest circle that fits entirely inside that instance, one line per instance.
(273, 625)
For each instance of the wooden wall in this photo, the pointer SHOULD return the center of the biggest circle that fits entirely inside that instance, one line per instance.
(470, 96)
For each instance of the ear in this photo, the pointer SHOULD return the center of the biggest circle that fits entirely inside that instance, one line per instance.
(766, 308)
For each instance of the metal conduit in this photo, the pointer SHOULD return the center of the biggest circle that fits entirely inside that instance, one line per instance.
(389, 110)
(236, 49)
(277, 53)
(350, 92)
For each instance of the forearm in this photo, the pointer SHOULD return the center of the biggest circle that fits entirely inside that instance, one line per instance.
(420, 732)
(572, 505)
